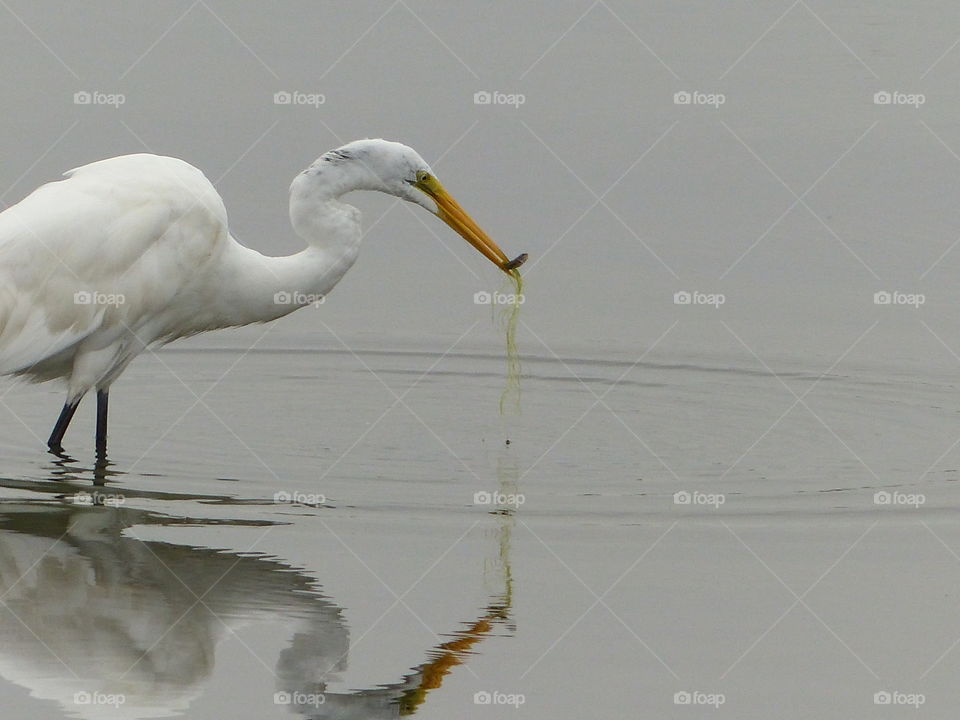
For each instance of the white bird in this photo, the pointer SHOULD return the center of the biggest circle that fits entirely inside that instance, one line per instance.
(135, 250)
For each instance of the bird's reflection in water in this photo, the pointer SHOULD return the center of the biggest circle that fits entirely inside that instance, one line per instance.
(89, 610)
(67, 468)
(403, 699)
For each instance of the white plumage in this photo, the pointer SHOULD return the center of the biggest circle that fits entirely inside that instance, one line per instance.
(86, 264)
(136, 250)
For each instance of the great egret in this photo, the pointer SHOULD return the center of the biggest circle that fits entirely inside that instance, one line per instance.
(135, 250)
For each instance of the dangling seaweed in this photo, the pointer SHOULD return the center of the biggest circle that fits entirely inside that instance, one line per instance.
(509, 319)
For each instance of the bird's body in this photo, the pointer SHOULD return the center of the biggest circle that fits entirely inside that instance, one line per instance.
(128, 252)
(136, 250)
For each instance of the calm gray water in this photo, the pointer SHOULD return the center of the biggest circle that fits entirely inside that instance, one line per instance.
(286, 525)
(740, 506)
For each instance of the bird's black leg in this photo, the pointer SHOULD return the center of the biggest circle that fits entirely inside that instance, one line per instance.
(66, 415)
(102, 423)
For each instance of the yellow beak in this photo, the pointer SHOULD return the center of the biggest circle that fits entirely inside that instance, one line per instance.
(456, 217)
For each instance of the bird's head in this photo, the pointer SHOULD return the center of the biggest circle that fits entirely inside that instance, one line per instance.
(394, 168)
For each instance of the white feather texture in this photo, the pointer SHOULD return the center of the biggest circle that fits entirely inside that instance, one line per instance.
(136, 250)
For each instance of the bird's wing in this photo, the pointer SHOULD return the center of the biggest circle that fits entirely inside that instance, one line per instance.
(105, 250)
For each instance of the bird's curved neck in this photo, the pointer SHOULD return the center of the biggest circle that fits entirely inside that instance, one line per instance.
(264, 288)
(317, 212)
(259, 288)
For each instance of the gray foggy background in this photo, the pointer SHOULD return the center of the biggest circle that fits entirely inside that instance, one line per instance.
(798, 161)
(798, 198)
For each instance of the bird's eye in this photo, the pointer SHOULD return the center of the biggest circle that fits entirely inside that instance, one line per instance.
(422, 176)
